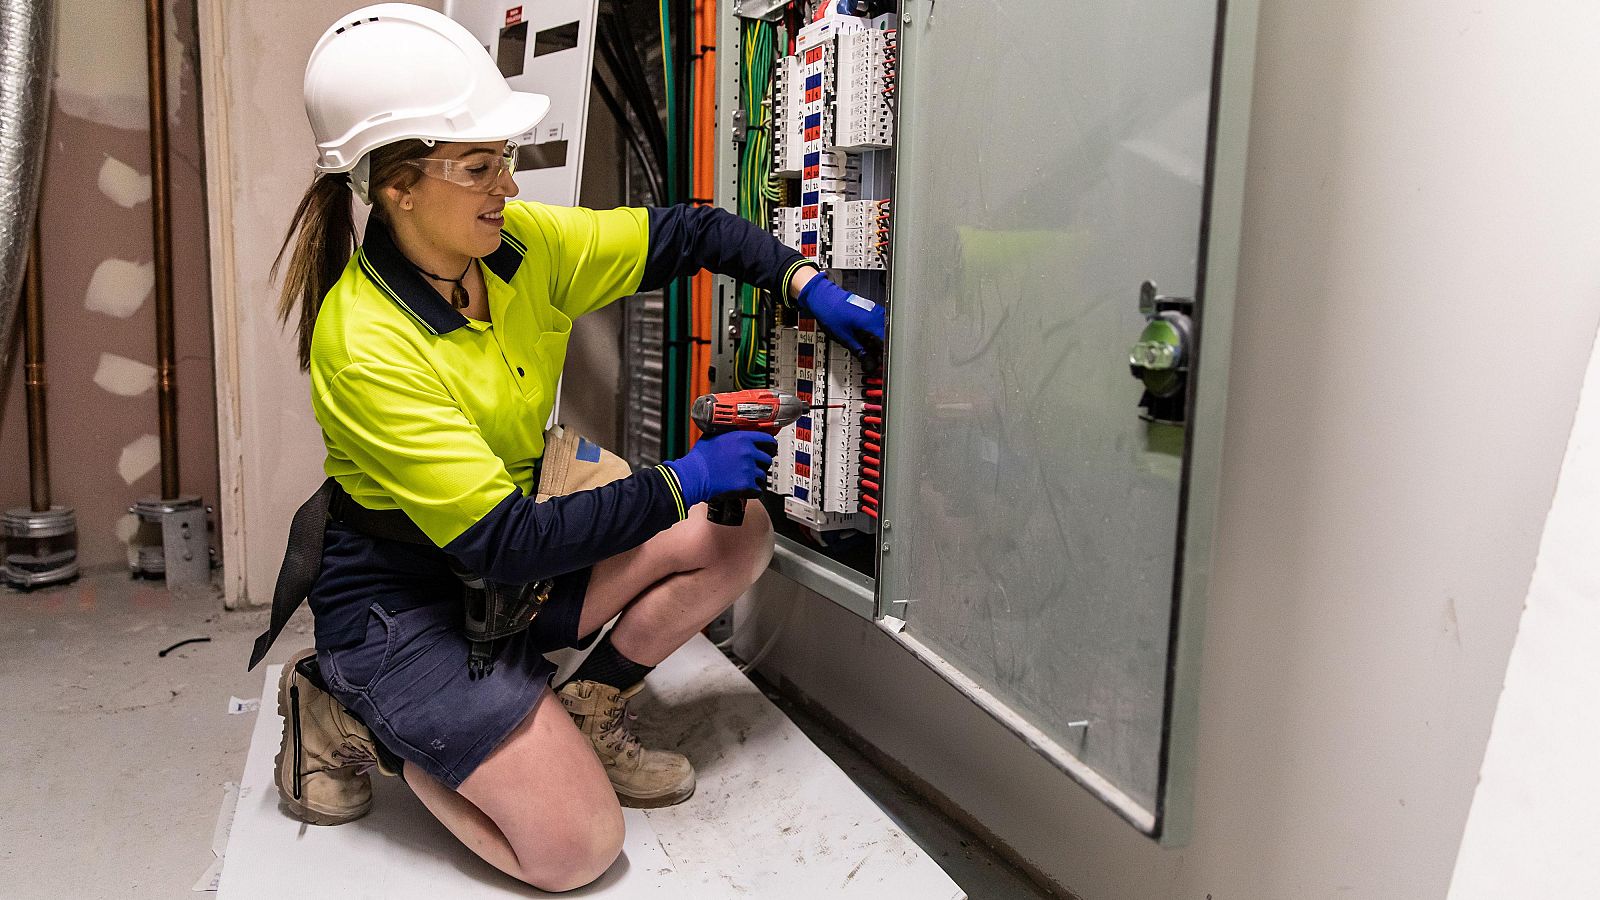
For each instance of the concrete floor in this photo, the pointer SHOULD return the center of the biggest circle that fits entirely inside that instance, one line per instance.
(117, 756)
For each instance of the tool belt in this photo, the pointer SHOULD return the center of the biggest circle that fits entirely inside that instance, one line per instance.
(493, 610)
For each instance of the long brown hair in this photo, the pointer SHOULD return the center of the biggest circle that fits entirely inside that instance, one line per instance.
(326, 227)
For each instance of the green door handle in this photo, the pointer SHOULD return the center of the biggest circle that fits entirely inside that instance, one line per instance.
(1161, 355)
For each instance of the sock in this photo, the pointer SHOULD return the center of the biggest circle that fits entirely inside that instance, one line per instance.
(608, 666)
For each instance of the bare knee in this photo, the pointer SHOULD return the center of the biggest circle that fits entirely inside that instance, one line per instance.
(748, 548)
(579, 856)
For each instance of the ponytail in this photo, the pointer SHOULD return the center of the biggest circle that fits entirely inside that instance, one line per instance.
(326, 237)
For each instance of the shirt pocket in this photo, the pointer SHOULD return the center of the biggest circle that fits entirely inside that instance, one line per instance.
(546, 356)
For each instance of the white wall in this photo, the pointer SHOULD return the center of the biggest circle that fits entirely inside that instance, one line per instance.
(1531, 831)
(1418, 292)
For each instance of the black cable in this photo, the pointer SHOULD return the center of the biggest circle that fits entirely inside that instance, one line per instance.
(643, 107)
(631, 134)
(614, 40)
(625, 57)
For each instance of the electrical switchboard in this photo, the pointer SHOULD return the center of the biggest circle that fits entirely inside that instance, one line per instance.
(827, 96)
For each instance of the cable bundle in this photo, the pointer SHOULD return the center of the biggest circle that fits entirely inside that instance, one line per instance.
(757, 190)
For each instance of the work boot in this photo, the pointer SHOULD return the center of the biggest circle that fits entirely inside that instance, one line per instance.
(325, 754)
(643, 779)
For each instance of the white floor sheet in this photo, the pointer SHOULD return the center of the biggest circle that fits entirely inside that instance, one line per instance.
(772, 817)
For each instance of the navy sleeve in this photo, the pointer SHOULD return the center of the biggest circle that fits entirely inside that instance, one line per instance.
(685, 239)
(522, 541)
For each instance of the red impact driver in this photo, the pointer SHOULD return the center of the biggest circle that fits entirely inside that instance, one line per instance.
(759, 409)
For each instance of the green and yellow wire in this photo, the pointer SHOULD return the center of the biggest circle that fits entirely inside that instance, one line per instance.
(758, 191)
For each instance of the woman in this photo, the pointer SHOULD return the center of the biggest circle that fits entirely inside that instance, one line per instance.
(434, 349)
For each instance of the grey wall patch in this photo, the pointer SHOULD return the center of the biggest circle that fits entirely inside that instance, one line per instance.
(119, 287)
(104, 80)
(123, 376)
(138, 458)
(124, 186)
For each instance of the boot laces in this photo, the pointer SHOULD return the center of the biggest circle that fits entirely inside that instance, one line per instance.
(351, 754)
(618, 736)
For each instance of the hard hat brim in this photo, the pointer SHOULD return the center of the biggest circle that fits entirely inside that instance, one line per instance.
(516, 116)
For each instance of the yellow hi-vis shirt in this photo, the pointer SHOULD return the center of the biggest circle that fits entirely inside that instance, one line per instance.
(425, 410)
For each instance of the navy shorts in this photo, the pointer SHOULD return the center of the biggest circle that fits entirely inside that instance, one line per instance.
(392, 650)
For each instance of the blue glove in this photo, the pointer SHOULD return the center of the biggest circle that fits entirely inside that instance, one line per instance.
(731, 462)
(848, 318)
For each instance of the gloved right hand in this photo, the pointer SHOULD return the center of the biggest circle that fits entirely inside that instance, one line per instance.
(727, 463)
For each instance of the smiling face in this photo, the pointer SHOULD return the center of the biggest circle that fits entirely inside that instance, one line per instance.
(456, 219)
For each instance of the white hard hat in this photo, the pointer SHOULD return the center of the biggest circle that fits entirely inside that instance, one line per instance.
(395, 71)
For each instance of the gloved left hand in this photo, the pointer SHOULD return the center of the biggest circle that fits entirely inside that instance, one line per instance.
(850, 319)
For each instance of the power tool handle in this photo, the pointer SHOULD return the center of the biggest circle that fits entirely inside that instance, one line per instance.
(726, 509)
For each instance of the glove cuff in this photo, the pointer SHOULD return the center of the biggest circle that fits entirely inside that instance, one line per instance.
(692, 478)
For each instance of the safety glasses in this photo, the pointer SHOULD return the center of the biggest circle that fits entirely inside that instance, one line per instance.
(480, 173)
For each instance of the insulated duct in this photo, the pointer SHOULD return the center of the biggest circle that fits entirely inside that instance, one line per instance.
(26, 36)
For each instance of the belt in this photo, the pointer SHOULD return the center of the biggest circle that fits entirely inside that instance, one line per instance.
(302, 560)
(492, 610)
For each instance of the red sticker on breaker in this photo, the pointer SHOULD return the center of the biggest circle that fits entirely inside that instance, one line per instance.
(513, 16)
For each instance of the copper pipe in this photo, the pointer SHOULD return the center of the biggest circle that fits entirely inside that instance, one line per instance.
(33, 379)
(160, 196)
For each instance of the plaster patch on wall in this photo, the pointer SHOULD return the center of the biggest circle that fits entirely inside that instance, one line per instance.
(119, 287)
(123, 376)
(124, 186)
(138, 458)
(127, 527)
(104, 79)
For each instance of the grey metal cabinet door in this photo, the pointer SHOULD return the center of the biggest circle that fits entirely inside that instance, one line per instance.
(1054, 157)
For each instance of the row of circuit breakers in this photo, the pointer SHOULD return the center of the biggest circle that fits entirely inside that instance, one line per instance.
(833, 117)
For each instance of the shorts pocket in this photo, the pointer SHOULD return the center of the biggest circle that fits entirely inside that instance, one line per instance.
(355, 669)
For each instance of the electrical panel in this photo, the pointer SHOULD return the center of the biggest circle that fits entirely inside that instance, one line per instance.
(547, 48)
(833, 117)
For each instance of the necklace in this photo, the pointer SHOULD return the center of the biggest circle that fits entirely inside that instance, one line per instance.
(458, 294)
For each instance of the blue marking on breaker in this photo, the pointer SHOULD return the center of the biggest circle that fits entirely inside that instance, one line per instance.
(813, 158)
(801, 493)
(814, 81)
(802, 458)
(814, 120)
(803, 386)
(810, 198)
(803, 422)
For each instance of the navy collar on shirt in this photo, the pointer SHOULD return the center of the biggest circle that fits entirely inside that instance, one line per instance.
(388, 268)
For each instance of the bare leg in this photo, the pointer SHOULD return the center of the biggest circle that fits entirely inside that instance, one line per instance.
(539, 808)
(464, 820)
(672, 585)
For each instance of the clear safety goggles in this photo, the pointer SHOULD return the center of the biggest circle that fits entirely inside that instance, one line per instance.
(481, 173)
